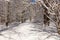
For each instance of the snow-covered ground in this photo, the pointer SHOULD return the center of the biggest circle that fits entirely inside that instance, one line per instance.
(30, 31)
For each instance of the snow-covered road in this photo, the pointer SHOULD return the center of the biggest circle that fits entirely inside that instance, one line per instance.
(29, 31)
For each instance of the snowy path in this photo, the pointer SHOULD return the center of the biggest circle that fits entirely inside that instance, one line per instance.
(28, 31)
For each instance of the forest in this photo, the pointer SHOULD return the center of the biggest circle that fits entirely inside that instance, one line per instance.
(30, 19)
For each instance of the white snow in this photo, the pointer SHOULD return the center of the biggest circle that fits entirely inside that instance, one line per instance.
(28, 31)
